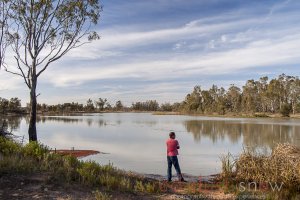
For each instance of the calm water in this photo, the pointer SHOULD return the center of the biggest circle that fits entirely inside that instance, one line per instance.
(136, 142)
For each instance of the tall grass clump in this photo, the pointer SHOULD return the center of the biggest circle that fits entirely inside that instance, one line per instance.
(228, 166)
(281, 167)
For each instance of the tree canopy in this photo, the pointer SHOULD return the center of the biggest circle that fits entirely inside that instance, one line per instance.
(39, 32)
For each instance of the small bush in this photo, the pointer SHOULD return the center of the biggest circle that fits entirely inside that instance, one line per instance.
(36, 150)
(125, 184)
(16, 164)
(151, 187)
(9, 147)
(89, 173)
(139, 186)
(286, 110)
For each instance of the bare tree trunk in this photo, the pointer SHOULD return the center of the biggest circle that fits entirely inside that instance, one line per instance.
(294, 107)
(33, 103)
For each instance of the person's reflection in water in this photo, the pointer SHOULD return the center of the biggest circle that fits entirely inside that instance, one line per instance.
(172, 152)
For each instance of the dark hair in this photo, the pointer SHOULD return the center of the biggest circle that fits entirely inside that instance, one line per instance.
(172, 134)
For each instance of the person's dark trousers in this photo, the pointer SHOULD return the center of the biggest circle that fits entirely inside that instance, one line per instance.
(173, 160)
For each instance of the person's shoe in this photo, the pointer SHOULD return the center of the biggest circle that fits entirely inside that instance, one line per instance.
(182, 180)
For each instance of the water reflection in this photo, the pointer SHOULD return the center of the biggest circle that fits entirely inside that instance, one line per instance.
(15, 121)
(44, 119)
(252, 134)
(214, 130)
(12, 122)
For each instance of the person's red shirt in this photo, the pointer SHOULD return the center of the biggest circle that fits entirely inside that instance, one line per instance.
(172, 146)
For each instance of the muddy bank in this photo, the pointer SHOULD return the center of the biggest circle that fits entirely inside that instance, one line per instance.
(76, 153)
(189, 178)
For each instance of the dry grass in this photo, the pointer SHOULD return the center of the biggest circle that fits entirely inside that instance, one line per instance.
(282, 166)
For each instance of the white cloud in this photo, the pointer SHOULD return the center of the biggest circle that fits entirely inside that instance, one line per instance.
(258, 53)
(210, 46)
(117, 40)
(9, 81)
(223, 38)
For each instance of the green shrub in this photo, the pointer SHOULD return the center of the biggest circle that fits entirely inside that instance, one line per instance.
(285, 110)
(139, 186)
(150, 187)
(16, 164)
(36, 150)
(89, 172)
(125, 184)
(8, 147)
(70, 166)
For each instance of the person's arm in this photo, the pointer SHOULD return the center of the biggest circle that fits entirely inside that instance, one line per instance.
(178, 147)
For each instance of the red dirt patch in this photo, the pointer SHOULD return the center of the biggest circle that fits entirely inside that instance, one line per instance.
(76, 153)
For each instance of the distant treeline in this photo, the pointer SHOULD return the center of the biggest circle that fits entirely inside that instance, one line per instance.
(279, 95)
(12, 105)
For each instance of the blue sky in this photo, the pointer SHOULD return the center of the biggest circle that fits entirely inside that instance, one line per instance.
(161, 49)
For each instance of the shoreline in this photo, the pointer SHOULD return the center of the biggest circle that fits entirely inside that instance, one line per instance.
(229, 115)
(80, 153)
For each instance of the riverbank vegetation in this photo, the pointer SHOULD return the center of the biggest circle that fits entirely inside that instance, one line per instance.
(257, 98)
(276, 175)
(34, 158)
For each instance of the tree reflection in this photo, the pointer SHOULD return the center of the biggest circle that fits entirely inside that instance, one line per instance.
(251, 134)
(214, 130)
(101, 123)
(145, 122)
(44, 119)
(13, 122)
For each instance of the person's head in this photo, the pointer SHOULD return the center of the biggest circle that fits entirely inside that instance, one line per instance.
(172, 135)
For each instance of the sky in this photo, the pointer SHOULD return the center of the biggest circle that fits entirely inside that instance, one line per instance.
(161, 49)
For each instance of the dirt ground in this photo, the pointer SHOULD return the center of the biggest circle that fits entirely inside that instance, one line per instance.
(38, 186)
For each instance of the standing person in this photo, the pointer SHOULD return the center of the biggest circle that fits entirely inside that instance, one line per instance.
(172, 152)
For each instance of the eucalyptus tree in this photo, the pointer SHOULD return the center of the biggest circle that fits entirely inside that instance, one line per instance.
(101, 103)
(250, 98)
(5, 36)
(294, 93)
(119, 106)
(90, 105)
(193, 101)
(39, 32)
(233, 97)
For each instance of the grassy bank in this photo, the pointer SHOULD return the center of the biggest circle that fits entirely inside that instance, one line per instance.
(35, 158)
(273, 176)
